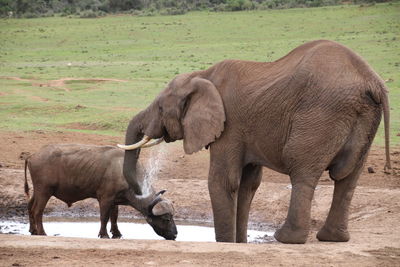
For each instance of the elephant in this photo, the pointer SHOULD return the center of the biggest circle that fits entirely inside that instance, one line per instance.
(316, 109)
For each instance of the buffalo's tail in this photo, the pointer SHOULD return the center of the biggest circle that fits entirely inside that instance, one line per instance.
(26, 186)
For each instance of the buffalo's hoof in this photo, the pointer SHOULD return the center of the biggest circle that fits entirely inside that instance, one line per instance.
(289, 236)
(104, 236)
(333, 235)
(116, 236)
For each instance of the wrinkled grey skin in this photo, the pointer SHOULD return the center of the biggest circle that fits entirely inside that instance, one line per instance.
(316, 109)
(72, 172)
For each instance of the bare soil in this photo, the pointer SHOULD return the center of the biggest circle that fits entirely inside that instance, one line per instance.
(374, 220)
(60, 83)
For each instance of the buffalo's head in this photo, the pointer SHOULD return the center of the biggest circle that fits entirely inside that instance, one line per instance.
(160, 216)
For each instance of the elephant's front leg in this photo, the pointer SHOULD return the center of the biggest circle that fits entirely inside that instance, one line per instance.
(249, 183)
(297, 225)
(223, 185)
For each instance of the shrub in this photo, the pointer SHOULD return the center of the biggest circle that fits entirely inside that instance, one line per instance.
(91, 8)
(173, 11)
(89, 14)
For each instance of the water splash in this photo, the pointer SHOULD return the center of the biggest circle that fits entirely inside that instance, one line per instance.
(152, 168)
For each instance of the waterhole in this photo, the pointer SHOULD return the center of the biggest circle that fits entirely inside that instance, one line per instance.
(129, 230)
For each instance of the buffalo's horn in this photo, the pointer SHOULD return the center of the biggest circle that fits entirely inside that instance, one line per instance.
(139, 144)
(157, 198)
(162, 207)
(161, 192)
(153, 143)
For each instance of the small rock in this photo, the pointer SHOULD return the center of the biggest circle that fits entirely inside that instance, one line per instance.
(371, 170)
(77, 107)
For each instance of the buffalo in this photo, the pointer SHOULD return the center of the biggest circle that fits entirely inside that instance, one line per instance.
(73, 172)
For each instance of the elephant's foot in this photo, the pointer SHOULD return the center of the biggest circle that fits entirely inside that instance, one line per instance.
(40, 232)
(333, 235)
(287, 235)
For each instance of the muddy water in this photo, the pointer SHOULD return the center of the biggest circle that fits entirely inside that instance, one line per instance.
(128, 230)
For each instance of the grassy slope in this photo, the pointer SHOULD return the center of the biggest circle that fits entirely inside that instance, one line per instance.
(149, 51)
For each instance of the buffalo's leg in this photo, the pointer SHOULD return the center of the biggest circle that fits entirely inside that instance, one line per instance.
(32, 224)
(250, 181)
(38, 207)
(105, 209)
(113, 218)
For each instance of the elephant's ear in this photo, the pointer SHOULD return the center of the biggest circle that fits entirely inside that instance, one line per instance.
(204, 116)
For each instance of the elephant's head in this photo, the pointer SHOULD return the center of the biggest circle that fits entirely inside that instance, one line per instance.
(190, 108)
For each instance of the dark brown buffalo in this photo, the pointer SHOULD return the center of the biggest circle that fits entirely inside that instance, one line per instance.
(73, 172)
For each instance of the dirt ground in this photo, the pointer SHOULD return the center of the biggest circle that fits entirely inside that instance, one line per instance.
(374, 220)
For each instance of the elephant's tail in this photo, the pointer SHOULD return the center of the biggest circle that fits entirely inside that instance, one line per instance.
(379, 94)
(386, 120)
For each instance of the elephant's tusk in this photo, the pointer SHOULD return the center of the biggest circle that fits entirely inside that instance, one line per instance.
(153, 143)
(139, 144)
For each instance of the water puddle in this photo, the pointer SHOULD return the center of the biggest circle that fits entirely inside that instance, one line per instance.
(129, 231)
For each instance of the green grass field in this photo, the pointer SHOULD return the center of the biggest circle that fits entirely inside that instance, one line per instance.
(147, 52)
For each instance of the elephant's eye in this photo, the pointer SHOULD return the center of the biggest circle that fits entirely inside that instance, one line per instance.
(160, 109)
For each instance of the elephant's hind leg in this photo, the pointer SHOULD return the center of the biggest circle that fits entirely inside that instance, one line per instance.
(297, 225)
(345, 170)
(335, 227)
(309, 150)
(249, 183)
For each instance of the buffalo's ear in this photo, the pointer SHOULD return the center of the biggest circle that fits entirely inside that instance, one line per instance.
(204, 115)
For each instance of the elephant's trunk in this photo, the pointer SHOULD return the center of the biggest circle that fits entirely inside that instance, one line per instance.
(133, 134)
(147, 122)
(141, 203)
